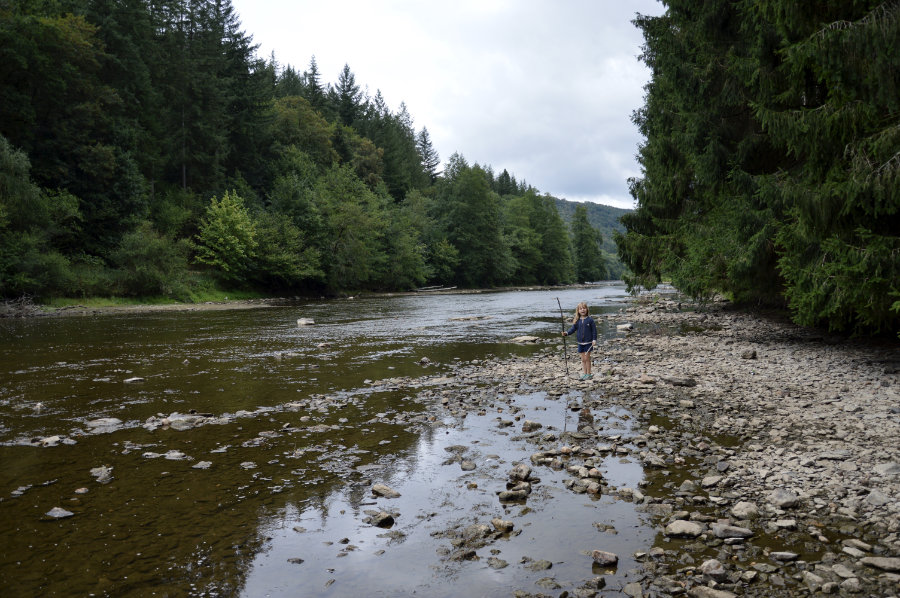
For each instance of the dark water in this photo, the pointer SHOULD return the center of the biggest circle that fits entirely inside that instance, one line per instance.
(163, 527)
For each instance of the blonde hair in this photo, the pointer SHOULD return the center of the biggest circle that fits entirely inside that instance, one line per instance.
(578, 308)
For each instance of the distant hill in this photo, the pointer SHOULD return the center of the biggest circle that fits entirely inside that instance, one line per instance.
(603, 218)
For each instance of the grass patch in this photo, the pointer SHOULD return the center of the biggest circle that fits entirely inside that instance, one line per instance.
(198, 296)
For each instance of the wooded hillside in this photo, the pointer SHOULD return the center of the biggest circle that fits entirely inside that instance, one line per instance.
(146, 150)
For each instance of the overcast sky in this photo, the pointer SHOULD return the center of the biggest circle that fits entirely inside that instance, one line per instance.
(542, 88)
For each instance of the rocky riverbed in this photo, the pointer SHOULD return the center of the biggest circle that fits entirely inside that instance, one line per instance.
(772, 452)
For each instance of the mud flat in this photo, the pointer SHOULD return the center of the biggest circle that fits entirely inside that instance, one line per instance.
(771, 453)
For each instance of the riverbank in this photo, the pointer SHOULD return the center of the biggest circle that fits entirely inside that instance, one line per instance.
(771, 452)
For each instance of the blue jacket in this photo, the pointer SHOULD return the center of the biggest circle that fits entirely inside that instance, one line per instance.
(587, 330)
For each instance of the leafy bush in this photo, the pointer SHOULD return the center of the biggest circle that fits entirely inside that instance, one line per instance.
(149, 263)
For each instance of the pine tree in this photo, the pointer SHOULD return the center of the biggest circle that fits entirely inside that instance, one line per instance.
(428, 156)
(314, 91)
(290, 83)
(346, 97)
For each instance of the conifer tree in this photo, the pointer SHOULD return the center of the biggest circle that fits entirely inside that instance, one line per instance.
(428, 156)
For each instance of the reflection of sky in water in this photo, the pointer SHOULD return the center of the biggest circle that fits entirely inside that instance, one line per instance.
(557, 525)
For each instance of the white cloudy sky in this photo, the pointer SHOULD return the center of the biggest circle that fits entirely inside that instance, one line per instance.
(542, 88)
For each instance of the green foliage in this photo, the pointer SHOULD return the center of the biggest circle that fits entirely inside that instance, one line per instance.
(524, 242)
(586, 241)
(285, 259)
(30, 222)
(405, 268)
(227, 240)
(770, 161)
(538, 240)
(151, 264)
(296, 126)
(354, 222)
(470, 214)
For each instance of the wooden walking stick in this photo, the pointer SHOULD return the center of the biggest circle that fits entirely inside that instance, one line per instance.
(565, 346)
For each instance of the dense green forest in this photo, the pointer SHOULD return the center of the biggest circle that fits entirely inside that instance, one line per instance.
(771, 158)
(607, 220)
(146, 150)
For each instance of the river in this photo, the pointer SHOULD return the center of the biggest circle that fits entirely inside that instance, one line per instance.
(98, 498)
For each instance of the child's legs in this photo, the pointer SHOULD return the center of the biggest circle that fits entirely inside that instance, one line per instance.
(586, 362)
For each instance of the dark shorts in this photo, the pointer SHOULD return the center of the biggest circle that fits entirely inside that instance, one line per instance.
(585, 348)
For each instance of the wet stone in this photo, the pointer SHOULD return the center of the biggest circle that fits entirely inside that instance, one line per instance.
(745, 510)
(502, 525)
(812, 581)
(710, 481)
(784, 556)
(497, 563)
(103, 474)
(379, 518)
(531, 426)
(604, 558)
(842, 571)
(708, 592)
(520, 472)
(58, 513)
(685, 529)
(713, 568)
(891, 564)
(730, 531)
(384, 491)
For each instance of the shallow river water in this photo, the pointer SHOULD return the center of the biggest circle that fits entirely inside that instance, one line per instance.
(270, 500)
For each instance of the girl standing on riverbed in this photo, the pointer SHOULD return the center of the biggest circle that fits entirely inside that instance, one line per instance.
(583, 324)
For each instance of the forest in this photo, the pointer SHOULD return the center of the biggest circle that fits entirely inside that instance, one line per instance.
(771, 158)
(146, 150)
